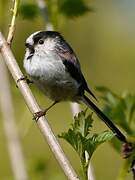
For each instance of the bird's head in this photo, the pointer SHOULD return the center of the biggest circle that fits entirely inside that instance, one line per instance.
(42, 42)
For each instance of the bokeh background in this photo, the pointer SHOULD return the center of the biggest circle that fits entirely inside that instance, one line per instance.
(104, 42)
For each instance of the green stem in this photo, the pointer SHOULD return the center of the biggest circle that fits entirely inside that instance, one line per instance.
(12, 25)
(85, 169)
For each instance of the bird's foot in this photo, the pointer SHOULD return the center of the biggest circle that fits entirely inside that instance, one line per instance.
(127, 150)
(38, 114)
(24, 78)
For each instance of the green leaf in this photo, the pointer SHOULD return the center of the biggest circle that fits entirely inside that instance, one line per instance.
(79, 136)
(75, 140)
(119, 108)
(108, 95)
(62, 10)
(102, 137)
(73, 8)
(96, 140)
(117, 112)
(82, 124)
(28, 11)
(82, 140)
(130, 105)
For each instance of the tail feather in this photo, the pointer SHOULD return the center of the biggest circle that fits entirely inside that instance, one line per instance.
(104, 118)
(91, 93)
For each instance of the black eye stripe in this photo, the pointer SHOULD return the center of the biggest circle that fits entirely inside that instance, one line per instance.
(46, 34)
(37, 37)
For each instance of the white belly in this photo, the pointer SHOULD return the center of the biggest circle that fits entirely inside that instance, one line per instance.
(52, 79)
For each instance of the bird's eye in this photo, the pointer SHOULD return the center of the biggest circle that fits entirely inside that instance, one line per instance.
(41, 41)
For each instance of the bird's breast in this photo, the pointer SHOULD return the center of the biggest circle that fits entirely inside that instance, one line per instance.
(51, 76)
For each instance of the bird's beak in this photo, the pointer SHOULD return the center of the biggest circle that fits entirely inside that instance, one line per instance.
(31, 50)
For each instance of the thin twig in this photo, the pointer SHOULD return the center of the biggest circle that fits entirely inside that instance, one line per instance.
(42, 123)
(12, 25)
(44, 12)
(10, 129)
(89, 168)
(75, 108)
(13, 142)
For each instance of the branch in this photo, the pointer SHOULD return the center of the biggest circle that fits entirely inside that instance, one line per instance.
(12, 25)
(42, 123)
(10, 129)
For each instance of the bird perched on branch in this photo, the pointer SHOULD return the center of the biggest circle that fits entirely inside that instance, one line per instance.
(54, 67)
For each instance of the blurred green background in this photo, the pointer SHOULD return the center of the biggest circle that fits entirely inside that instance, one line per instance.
(104, 42)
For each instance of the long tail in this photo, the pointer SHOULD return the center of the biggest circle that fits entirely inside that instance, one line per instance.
(104, 118)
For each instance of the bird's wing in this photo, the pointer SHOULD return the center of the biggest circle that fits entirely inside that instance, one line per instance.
(78, 76)
(73, 67)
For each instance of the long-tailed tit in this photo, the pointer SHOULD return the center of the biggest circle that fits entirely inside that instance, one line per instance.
(54, 67)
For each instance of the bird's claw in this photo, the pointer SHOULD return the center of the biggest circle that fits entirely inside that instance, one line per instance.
(38, 114)
(24, 78)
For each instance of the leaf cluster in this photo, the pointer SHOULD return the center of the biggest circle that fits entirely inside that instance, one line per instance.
(57, 10)
(121, 109)
(79, 136)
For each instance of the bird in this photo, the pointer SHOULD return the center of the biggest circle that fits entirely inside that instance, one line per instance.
(54, 68)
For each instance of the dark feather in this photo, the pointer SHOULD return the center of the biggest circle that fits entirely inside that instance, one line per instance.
(44, 35)
(78, 76)
(104, 118)
(72, 65)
